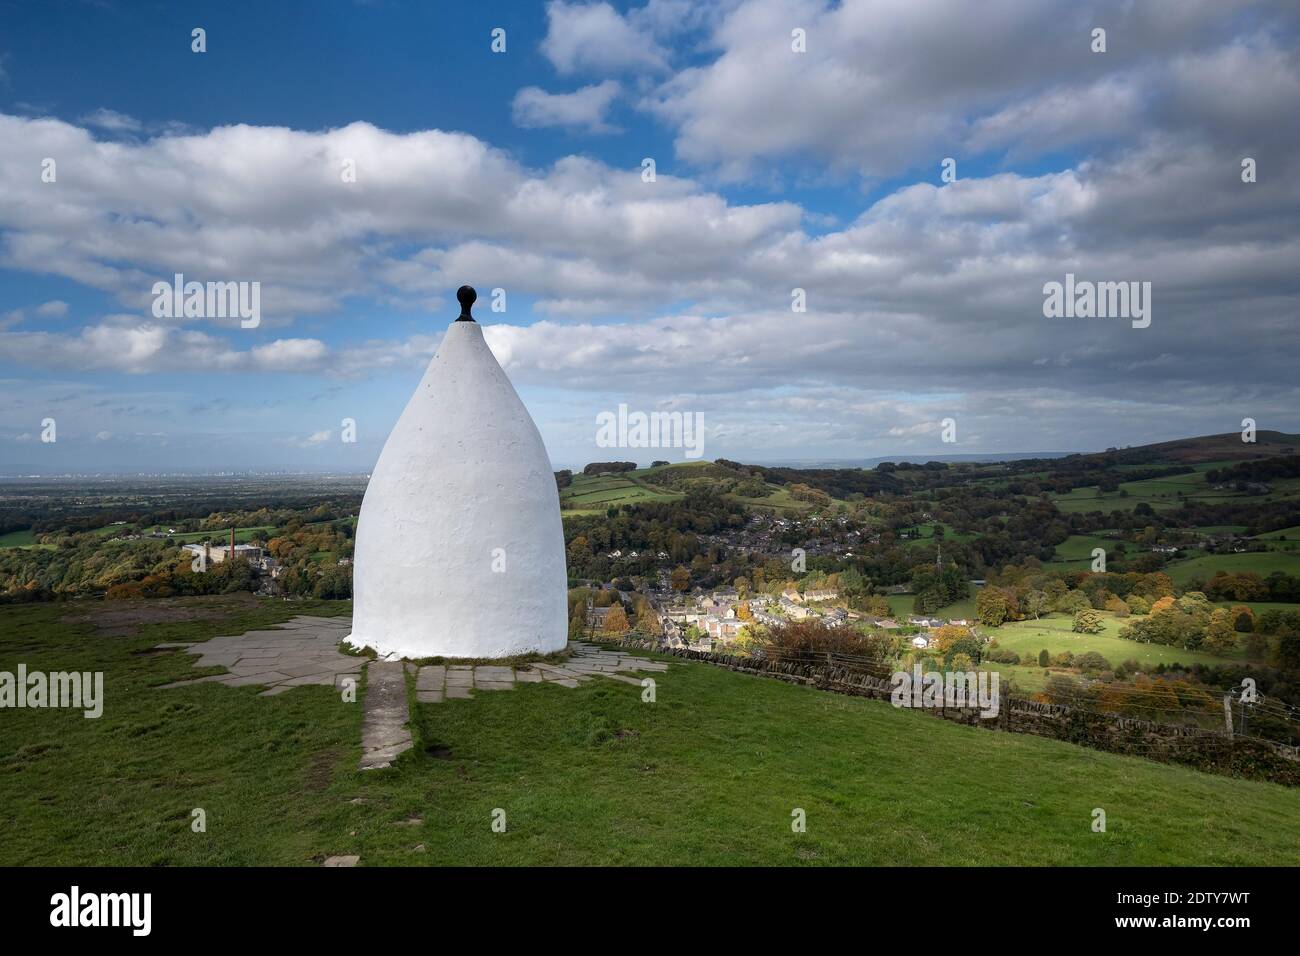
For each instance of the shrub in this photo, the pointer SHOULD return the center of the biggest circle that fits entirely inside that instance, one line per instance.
(1092, 661)
(1044, 658)
(1087, 621)
(960, 662)
(1118, 606)
(968, 646)
(803, 641)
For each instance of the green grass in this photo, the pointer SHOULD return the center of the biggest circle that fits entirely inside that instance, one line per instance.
(593, 494)
(1260, 562)
(18, 539)
(1053, 633)
(709, 774)
(242, 535)
(1075, 552)
(1162, 493)
(901, 606)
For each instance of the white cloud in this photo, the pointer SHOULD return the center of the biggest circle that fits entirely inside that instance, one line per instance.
(594, 37)
(888, 87)
(586, 107)
(112, 121)
(314, 440)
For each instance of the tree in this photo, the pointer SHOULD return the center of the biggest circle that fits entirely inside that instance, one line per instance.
(1044, 658)
(680, 578)
(1072, 602)
(992, 607)
(968, 648)
(616, 620)
(1092, 661)
(1285, 654)
(948, 635)
(1087, 621)
(961, 662)
(1219, 634)
(1118, 606)
(877, 606)
(1035, 603)
(578, 622)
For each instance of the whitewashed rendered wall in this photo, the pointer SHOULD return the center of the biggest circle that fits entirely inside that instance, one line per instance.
(463, 472)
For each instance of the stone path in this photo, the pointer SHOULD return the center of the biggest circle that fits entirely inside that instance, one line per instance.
(302, 651)
(384, 734)
(436, 683)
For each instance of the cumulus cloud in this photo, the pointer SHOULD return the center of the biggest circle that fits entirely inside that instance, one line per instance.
(672, 291)
(597, 38)
(585, 107)
(891, 87)
(125, 344)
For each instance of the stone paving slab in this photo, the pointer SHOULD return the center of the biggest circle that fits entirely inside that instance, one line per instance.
(431, 678)
(384, 731)
(304, 652)
(634, 681)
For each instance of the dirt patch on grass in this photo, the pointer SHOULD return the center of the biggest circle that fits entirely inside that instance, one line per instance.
(320, 773)
(125, 618)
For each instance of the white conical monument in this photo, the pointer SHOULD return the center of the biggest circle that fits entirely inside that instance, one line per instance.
(460, 548)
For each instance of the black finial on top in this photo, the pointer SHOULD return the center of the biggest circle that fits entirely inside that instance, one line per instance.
(466, 295)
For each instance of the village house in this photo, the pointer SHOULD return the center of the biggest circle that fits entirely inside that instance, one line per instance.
(795, 612)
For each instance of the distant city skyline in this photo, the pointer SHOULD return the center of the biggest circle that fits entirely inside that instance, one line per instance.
(841, 249)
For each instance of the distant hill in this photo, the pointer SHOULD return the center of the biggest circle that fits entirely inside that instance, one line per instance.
(1227, 447)
(781, 487)
(913, 459)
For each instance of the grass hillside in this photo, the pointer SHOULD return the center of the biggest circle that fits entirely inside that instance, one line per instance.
(593, 494)
(709, 774)
(1164, 493)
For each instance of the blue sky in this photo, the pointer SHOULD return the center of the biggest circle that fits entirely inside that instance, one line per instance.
(521, 170)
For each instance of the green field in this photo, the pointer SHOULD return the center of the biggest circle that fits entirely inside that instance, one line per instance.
(1162, 493)
(901, 606)
(18, 539)
(242, 535)
(1053, 633)
(1075, 552)
(593, 494)
(709, 774)
(1260, 562)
